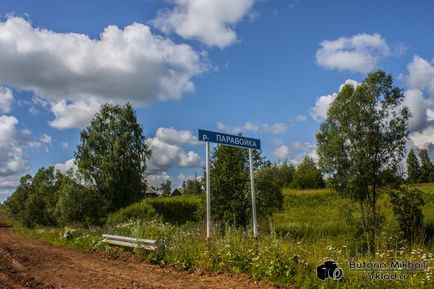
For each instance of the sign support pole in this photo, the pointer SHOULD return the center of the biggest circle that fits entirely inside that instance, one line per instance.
(252, 189)
(208, 195)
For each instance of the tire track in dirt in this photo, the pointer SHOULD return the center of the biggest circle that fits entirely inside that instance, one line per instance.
(27, 263)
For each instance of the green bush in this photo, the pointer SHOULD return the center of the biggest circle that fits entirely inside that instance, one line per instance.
(407, 204)
(142, 211)
(307, 175)
(174, 210)
(78, 204)
(177, 210)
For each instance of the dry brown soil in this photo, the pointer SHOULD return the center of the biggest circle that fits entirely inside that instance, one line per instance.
(28, 263)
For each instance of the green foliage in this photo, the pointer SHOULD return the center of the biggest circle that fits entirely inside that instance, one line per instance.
(51, 198)
(413, 168)
(174, 210)
(269, 197)
(34, 200)
(229, 186)
(177, 210)
(112, 155)
(166, 188)
(407, 206)
(192, 187)
(141, 211)
(313, 229)
(16, 203)
(307, 175)
(78, 203)
(285, 174)
(426, 168)
(362, 141)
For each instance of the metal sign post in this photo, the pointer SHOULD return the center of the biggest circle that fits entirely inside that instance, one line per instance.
(230, 140)
(252, 190)
(208, 195)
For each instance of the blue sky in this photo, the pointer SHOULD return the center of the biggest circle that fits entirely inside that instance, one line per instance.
(268, 69)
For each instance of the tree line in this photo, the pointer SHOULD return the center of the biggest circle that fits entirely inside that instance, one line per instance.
(419, 170)
(111, 163)
(360, 146)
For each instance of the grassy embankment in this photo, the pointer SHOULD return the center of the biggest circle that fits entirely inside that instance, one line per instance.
(311, 228)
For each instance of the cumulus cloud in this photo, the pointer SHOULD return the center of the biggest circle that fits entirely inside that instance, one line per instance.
(282, 152)
(167, 151)
(176, 137)
(421, 75)
(66, 166)
(74, 115)
(73, 71)
(322, 104)
(423, 139)
(163, 155)
(6, 99)
(417, 105)
(13, 161)
(419, 98)
(190, 159)
(210, 22)
(277, 128)
(157, 179)
(359, 53)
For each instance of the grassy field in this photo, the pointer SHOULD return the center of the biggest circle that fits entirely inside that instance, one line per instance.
(311, 228)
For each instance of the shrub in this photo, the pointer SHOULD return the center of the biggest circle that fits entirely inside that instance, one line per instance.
(307, 175)
(138, 211)
(177, 210)
(407, 206)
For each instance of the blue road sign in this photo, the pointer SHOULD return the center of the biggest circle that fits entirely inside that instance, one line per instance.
(229, 139)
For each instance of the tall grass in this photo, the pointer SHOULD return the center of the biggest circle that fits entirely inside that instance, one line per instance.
(311, 228)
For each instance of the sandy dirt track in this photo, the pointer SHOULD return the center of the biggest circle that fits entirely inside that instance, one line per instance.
(26, 263)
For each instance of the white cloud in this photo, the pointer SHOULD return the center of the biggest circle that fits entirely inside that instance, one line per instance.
(176, 137)
(424, 138)
(277, 128)
(6, 99)
(167, 151)
(282, 152)
(46, 139)
(13, 161)
(66, 166)
(300, 118)
(430, 114)
(163, 155)
(359, 53)
(322, 104)
(65, 146)
(74, 115)
(129, 64)
(419, 98)
(183, 177)
(190, 159)
(210, 22)
(157, 179)
(417, 105)
(420, 75)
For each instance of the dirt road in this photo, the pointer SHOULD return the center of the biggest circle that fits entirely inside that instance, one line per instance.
(26, 263)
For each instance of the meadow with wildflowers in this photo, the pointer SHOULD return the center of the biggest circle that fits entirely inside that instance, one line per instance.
(314, 226)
